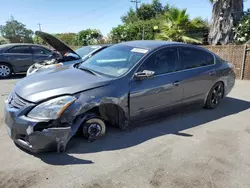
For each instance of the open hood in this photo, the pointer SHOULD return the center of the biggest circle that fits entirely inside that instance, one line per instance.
(57, 44)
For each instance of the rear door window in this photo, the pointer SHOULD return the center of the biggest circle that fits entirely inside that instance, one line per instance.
(19, 50)
(40, 51)
(162, 61)
(194, 58)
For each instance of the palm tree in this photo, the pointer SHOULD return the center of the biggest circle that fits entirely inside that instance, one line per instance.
(226, 14)
(175, 27)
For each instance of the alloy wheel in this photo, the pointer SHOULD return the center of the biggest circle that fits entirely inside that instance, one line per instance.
(4, 71)
(217, 94)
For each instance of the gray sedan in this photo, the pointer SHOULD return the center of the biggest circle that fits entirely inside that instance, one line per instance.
(118, 86)
(15, 58)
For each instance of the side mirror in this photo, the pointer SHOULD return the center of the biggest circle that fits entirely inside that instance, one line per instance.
(144, 74)
(54, 54)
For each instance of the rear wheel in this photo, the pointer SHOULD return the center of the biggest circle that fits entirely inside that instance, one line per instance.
(5, 70)
(94, 128)
(215, 96)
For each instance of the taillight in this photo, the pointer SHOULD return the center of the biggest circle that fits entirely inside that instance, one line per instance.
(232, 67)
(232, 70)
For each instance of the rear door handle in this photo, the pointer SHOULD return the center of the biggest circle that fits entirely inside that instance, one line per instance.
(176, 83)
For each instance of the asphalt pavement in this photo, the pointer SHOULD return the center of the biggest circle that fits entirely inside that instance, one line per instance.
(194, 148)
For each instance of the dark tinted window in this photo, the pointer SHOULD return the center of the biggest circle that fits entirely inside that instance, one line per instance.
(192, 58)
(162, 61)
(40, 50)
(19, 49)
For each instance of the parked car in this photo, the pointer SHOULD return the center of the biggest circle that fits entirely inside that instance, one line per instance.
(121, 84)
(15, 58)
(68, 55)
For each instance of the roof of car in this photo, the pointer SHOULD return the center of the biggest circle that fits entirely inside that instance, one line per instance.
(149, 44)
(18, 44)
(102, 45)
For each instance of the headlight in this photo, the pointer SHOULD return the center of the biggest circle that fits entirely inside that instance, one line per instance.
(8, 98)
(52, 66)
(51, 109)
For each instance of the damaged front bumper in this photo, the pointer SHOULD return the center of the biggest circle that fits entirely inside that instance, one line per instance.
(29, 134)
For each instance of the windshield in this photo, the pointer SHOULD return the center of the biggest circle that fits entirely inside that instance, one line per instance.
(84, 51)
(114, 61)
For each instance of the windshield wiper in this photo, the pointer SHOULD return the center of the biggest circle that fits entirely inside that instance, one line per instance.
(87, 70)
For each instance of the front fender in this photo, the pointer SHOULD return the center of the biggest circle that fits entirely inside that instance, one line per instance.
(94, 98)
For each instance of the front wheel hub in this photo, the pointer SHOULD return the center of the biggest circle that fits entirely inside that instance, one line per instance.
(94, 129)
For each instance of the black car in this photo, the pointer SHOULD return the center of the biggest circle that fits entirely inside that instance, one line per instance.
(119, 85)
(15, 58)
(68, 56)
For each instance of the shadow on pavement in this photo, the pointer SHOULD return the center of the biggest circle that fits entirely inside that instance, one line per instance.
(61, 159)
(15, 76)
(173, 124)
(57, 159)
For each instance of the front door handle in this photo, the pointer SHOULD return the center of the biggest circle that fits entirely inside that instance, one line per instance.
(212, 73)
(176, 83)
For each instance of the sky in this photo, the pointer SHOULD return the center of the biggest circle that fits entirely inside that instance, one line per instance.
(58, 16)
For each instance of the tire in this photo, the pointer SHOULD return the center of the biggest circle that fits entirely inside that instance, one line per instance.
(215, 96)
(5, 70)
(94, 128)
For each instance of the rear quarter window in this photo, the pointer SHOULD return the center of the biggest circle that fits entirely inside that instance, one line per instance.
(194, 58)
(220, 60)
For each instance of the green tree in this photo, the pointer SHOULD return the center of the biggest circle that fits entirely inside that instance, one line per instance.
(146, 12)
(3, 40)
(226, 14)
(38, 40)
(136, 31)
(199, 23)
(68, 38)
(129, 17)
(139, 24)
(166, 8)
(89, 36)
(158, 7)
(177, 27)
(119, 33)
(16, 31)
(242, 30)
(162, 22)
(147, 29)
(198, 29)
